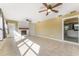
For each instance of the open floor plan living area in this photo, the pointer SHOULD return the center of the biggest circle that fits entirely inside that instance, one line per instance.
(39, 29)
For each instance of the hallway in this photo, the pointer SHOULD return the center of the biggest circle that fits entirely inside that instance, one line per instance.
(37, 46)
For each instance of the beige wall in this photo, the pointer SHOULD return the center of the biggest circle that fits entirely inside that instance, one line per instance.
(52, 28)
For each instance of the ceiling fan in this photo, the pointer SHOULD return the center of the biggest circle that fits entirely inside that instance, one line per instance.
(50, 8)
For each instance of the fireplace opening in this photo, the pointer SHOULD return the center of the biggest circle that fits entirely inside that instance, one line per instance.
(23, 32)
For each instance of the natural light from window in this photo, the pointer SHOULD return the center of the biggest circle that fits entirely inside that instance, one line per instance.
(28, 48)
(17, 36)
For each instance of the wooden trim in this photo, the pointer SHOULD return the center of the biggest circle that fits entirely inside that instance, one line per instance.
(23, 28)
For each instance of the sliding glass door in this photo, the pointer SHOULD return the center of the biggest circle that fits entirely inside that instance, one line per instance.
(71, 29)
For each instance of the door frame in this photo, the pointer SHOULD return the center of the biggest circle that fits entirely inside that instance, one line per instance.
(11, 24)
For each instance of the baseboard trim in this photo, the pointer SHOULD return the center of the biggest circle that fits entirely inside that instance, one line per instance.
(63, 41)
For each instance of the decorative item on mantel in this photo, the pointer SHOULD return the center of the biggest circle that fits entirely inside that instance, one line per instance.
(28, 20)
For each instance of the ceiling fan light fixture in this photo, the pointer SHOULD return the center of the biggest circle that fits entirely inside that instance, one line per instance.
(49, 10)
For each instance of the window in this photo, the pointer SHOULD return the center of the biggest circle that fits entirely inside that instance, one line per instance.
(66, 27)
(76, 27)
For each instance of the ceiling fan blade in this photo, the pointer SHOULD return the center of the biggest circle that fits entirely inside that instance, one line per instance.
(42, 11)
(47, 13)
(58, 4)
(45, 4)
(55, 11)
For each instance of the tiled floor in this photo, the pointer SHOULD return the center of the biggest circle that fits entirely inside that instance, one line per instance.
(37, 46)
(8, 48)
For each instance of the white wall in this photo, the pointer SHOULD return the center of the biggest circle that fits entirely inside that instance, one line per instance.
(23, 24)
(32, 29)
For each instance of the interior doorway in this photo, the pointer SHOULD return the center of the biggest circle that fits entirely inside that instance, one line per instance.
(71, 29)
(12, 28)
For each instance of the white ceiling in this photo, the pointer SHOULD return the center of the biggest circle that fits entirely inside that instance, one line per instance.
(22, 11)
